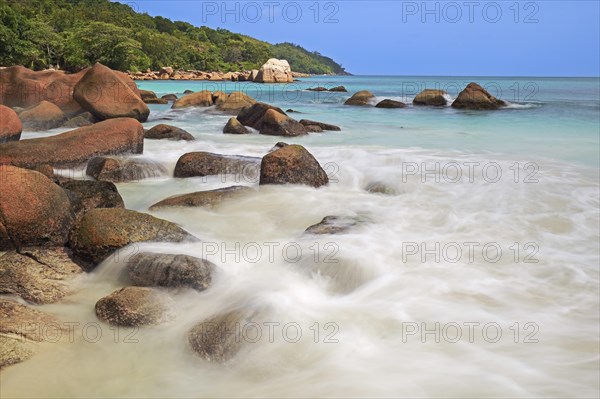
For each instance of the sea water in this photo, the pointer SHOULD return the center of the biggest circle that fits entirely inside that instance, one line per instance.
(477, 276)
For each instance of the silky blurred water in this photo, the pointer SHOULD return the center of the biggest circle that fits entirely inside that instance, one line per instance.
(529, 289)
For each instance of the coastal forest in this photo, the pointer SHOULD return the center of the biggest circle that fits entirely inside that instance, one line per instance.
(74, 34)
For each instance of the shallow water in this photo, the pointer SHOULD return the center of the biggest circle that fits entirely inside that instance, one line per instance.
(528, 316)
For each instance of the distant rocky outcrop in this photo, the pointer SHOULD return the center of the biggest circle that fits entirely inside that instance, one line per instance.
(275, 71)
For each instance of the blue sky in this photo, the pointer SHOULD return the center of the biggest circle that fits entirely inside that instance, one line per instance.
(456, 38)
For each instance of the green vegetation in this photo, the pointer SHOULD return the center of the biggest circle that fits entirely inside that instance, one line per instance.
(74, 34)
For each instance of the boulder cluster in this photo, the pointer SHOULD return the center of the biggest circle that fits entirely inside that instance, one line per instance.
(54, 229)
(473, 97)
(50, 99)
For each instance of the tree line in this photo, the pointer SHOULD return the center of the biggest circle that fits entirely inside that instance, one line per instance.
(74, 34)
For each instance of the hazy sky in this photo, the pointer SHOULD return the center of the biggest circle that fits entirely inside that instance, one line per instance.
(514, 38)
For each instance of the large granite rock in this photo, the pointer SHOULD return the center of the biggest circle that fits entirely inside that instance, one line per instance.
(22, 87)
(23, 329)
(476, 97)
(431, 97)
(10, 125)
(252, 116)
(274, 71)
(37, 275)
(274, 123)
(200, 99)
(73, 148)
(234, 126)
(363, 97)
(108, 94)
(234, 102)
(292, 164)
(33, 210)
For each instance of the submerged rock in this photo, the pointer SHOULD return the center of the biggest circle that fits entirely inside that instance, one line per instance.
(10, 125)
(319, 88)
(387, 103)
(323, 126)
(83, 119)
(195, 164)
(73, 148)
(89, 194)
(123, 169)
(363, 97)
(42, 116)
(431, 97)
(149, 97)
(333, 225)
(149, 269)
(219, 338)
(476, 97)
(169, 97)
(34, 211)
(135, 307)
(234, 126)
(169, 132)
(208, 198)
(109, 94)
(37, 275)
(292, 164)
(380, 188)
(102, 231)
(340, 89)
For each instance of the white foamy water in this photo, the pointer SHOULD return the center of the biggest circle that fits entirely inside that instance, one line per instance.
(392, 319)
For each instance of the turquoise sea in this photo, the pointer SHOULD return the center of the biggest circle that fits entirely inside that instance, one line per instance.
(477, 273)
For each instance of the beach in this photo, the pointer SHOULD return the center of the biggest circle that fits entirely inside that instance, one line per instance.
(472, 253)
